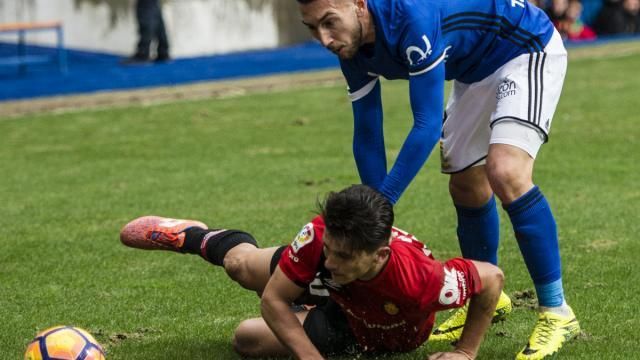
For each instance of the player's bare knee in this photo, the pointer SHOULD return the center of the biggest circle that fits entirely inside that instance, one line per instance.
(245, 340)
(509, 170)
(463, 189)
(508, 180)
(236, 268)
(470, 190)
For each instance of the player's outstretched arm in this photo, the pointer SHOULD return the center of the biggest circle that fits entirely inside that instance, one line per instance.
(426, 92)
(368, 138)
(276, 311)
(481, 308)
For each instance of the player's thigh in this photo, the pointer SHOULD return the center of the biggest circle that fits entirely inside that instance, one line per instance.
(525, 90)
(249, 266)
(465, 132)
(528, 90)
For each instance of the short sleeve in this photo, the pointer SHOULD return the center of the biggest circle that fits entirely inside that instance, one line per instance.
(460, 282)
(300, 260)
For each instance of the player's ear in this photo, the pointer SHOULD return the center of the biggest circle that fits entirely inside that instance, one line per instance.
(383, 253)
(361, 5)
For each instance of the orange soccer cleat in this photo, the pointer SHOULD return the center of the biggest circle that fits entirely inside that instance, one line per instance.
(157, 233)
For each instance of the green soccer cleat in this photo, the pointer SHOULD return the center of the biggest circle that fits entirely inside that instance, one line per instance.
(551, 332)
(451, 329)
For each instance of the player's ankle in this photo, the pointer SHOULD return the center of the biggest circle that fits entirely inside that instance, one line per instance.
(564, 309)
(193, 240)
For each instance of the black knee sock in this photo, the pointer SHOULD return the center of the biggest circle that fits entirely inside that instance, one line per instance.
(214, 244)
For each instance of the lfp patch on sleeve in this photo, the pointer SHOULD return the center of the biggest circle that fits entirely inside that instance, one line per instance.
(304, 237)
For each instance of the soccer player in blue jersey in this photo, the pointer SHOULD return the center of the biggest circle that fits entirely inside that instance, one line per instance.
(507, 63)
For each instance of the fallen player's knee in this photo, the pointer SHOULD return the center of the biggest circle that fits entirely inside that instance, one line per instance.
(246, 341)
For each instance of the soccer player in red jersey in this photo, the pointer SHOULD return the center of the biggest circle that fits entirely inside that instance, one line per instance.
(375, 288)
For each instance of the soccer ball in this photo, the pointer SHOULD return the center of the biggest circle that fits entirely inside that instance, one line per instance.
(64, 343)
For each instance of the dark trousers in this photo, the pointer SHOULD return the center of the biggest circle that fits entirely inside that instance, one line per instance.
(150, 27)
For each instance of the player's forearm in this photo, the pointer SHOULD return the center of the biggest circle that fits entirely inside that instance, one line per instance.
(413, 155)
(426, 93)
(368, 139)
(481, 309)
(287, 328)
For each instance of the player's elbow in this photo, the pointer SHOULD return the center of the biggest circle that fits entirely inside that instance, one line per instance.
(494, 279)
(268, 304)
(432, 134)
(491, 276)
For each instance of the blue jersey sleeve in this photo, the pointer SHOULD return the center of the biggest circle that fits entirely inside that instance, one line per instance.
(420, 43)
(419, 38)
(368, 138)
(427, 98)
(413, 34)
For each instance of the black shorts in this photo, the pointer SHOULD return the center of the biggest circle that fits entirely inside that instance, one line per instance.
(325, 325)
(328, 328)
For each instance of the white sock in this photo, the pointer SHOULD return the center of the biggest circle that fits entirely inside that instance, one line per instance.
(563, 310)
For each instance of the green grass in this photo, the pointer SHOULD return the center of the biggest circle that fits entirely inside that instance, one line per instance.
(259, 162)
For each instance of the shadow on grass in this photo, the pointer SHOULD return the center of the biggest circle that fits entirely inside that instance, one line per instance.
(172, 348)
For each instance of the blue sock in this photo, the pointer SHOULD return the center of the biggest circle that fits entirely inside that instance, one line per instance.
(550, 295)
(479, 232)
(537, 236)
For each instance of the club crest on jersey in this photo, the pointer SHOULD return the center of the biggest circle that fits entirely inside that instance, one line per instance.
(391, 308)
(421, 55)
(304, 237)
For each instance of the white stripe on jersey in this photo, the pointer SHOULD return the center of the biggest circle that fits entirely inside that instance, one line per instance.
(435, 63)
(364, 91)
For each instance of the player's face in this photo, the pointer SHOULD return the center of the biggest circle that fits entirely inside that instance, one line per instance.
(336, 24)
(347, 265)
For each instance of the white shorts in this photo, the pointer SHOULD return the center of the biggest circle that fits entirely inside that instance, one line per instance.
(513, 106)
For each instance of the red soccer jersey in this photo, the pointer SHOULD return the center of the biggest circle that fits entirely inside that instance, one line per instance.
(395, 311)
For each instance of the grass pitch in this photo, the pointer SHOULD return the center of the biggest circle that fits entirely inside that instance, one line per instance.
(259, 162)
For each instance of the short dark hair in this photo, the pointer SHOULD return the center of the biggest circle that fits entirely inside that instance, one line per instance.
(305, 1)
(359, 217)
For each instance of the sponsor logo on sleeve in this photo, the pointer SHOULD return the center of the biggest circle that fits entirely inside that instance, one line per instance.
(450, 292)
(293, 257)
(304, 237)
